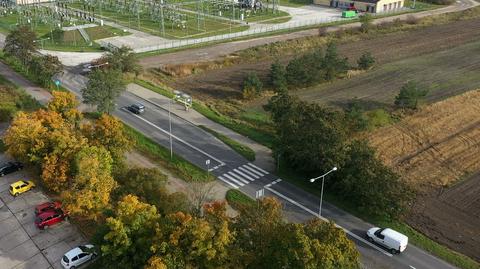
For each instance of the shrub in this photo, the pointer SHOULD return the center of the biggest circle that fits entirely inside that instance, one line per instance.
(252, 86)
(410, 96)
(366, 61)
(366, 23)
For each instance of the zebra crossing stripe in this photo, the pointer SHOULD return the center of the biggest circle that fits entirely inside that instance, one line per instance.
(234, 180)
(238, 177)
(248, 172)
(228, 182)
(258, 168)
(241, 173)
(252, 170)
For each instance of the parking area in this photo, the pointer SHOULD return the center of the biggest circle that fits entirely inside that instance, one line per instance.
(22, 244)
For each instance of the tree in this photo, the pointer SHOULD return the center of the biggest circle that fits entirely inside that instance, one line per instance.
(123, 59)
(65, 103)
(103, 87)
(252, 86)
(129, 234)
(305, 70)
(45, 67)
(410, 95)
(20, 43)
(92, 184)
(332, 64)
(199, 194)
(278, 76)
(366, 23)
(366, 61)
(375, 188)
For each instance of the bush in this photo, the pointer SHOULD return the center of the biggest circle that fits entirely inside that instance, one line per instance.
(252, 86)
(366, 61)
(410, 96)
(366, 23)
(7, 111)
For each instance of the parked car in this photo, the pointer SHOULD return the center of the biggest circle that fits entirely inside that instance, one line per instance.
(136, 108)
(48, 206)
(393, 240)
(78, 256)
(21, 186)
(49, 218)
(10, 167)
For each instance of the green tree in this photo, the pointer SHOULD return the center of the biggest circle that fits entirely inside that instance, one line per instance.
(89, 192)
(124, 59)
(355, 118)
(410, 95)
(252, 86)
(103, 87)
(366, 61)
(375, 188)
(366, 22)
(45, 67)
(332, 64)
(305, 70)
(278, 76)
(20, 43)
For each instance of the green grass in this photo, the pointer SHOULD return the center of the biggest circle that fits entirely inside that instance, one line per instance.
(105, 31)
(14, 99)
(415, 237)
(243, 150)
(259, 136)
(238, 199)
(179, 166)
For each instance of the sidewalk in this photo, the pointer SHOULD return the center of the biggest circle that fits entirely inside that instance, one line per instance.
(40, 94)
(263, 155)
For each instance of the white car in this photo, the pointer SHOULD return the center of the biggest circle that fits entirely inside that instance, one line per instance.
(393, 240)
(78, 256)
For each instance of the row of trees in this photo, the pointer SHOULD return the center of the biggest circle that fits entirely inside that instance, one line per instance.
(140, 224)
(21, 44)
(312, 139)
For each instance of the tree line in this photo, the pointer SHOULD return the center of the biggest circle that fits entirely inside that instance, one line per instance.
(139, 223)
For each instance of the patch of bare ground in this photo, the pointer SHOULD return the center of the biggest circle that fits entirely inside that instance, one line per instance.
(433, 149)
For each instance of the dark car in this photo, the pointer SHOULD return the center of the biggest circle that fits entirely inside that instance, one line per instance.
(49, 218)
(48, 206)
(10, 167)
(137, 108)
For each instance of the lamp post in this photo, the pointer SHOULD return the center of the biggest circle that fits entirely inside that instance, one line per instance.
(321, 193)
(170, 127)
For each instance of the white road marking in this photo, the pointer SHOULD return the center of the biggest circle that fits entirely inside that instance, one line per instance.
(234, 180)
(316, 215)
(258, 168)
(177, 138)
(412, 267)
(242, 174)
(228, 182)
(273, 183)
(248, 172)
(239, 178)
(253, 170)
(215, 167)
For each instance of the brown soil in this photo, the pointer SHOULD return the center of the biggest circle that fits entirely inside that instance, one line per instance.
(226, 82)
(433, 150)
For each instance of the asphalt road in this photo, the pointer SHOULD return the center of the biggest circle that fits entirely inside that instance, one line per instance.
(197, 146)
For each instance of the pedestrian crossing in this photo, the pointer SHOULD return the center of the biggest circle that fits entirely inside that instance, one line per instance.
(242, 175)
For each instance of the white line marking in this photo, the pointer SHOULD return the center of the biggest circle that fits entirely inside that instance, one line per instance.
(254, 166)
(241, 173)
(248, 172)
(177, 138)
(316, 215)
(228, 182)
(234, 180)
(412, 267)
(237, 176)
(216, 167)
(253, 170)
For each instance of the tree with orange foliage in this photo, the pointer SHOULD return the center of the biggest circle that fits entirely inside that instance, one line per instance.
(65, 103)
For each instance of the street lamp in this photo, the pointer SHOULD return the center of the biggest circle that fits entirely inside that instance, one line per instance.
(170, 127)
(321, 193)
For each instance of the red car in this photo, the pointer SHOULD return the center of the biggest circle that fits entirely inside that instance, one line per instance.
(48, 206)
(49, 218)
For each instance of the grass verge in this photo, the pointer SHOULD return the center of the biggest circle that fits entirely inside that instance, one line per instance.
(259, 136)
(415, 237)
(243, 150)
(237, 199)
(179, 166)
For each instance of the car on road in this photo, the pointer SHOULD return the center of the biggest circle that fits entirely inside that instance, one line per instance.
(49, 218)
(21, 186)
(78, 256)
(48, 206)
(136, 108)
(394, 241)
(10, 167)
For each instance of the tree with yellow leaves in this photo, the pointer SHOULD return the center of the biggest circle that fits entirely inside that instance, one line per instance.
(90, 189)
(65, 103)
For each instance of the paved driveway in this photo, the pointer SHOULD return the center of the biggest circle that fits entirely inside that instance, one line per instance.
(22, 245)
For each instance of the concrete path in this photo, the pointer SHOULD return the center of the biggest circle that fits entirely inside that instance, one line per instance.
(263, 154)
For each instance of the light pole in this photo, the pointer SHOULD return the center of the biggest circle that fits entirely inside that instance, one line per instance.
(170, 127)
(321, 193)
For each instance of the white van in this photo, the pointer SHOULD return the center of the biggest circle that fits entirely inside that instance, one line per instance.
(394, 241)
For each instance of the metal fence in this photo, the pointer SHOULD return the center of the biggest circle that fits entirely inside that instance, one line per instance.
(255, 30)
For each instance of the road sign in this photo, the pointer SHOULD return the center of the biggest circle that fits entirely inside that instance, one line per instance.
(207, 162)
(57, 82)
(259, 194)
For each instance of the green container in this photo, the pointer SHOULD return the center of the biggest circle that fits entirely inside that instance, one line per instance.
(349, 14)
